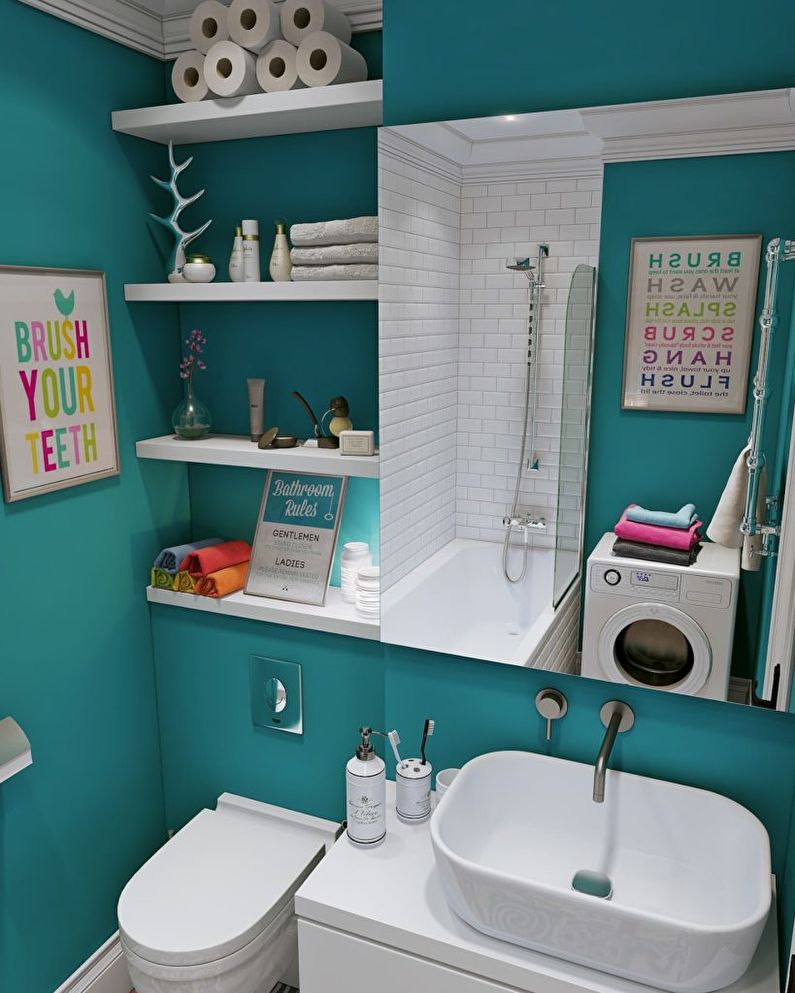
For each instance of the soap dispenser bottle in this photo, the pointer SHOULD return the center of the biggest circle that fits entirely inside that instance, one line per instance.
(281, 265)
(365, 784)
(236, 258)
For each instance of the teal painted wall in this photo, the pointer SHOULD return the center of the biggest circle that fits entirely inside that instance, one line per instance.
(76, 667)
(447, 59)
(746, 755)
(209, 743)
(321, 350)
(666, 459)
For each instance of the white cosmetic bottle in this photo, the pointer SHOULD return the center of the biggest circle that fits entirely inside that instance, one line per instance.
(280, 265)
(365, 785)
(251, 269)
(236, 258)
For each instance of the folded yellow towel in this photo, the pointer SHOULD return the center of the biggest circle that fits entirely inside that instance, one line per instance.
(162, 580)
(183, 583)
(223, 582)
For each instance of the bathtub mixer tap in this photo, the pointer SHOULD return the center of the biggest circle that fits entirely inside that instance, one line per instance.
(527, 522)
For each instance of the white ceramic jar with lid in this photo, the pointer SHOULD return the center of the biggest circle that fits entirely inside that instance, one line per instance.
(199, 269)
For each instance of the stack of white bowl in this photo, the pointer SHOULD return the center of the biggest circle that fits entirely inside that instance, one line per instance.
(356, 555)
(368, 591)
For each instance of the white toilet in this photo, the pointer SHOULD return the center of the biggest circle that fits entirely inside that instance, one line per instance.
(212, 911)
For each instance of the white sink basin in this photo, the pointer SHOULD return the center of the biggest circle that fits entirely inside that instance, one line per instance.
(689, 869)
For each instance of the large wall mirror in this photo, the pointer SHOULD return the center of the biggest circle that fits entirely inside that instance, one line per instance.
(512, 444)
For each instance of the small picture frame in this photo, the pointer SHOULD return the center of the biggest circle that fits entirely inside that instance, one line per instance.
(296, 536)
(691, 309)
(57, 409)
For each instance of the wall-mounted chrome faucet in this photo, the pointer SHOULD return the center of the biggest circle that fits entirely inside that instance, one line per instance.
(617, 717)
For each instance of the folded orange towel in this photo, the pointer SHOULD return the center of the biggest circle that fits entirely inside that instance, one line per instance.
(215, 557)
(223, 582)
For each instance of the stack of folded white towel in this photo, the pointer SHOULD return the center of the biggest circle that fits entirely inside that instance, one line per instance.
(335, 249)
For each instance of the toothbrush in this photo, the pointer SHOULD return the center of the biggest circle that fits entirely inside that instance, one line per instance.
(427, 731)
(394, 741)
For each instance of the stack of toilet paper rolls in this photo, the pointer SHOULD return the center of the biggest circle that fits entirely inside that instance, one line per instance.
(254, 45)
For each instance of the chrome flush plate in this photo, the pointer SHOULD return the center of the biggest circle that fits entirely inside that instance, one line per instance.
(276, 700)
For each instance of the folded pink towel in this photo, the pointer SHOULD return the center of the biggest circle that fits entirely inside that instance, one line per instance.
(652, 534)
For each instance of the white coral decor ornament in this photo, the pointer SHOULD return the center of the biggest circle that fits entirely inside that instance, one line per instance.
(182, 238)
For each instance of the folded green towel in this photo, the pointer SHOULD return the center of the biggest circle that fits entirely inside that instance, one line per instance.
(163, 580)
(183, 583)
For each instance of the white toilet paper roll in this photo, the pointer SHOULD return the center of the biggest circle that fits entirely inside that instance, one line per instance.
(208, 25)
(277, 69)
(323, 60)
(187, 77)
(254, 24)
(303, 17)
(230, 71)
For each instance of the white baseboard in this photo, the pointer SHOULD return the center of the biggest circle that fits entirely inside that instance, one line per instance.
(103, 972)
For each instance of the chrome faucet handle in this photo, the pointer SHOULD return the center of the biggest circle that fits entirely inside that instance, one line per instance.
(551, 705)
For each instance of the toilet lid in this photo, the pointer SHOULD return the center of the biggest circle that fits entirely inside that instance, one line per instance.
(214, 887)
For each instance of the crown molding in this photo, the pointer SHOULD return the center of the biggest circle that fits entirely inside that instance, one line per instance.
(570, 167)
(395, 144)
(398, 146)
(580, 145)
(156, 28)
(731, 124)
(123, 21)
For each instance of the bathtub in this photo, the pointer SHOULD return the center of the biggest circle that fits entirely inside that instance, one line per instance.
(459, 602)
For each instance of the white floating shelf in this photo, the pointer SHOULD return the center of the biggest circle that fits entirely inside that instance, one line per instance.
(328, 289)
(336, 617)
(232, 450)
(321, 108)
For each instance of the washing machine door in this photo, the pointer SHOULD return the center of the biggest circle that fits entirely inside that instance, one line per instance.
(655, 645)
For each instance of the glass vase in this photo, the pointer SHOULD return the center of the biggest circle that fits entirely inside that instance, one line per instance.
(191, 418)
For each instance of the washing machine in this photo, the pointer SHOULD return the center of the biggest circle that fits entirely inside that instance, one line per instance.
(668, 627)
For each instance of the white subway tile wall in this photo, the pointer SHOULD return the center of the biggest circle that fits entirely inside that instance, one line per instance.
(419, 218)
(453, 341)
(501, 221)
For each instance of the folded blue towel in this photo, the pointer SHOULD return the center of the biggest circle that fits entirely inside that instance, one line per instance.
(169, 559)
(681, 520)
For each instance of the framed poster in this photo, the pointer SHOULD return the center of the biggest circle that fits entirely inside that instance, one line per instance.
(57, 414)
(296, 535)
(690, 323)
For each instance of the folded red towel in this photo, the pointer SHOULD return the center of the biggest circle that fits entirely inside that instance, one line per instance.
(215, 557)
(652, 534)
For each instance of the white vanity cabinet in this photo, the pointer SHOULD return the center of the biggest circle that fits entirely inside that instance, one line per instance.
(333, 962)
(377, 919)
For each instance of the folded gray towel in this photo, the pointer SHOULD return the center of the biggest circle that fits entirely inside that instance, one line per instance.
(346, 232)
(305, 273)
(335, 254)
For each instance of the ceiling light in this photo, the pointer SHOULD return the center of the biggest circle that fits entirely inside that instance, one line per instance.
(509, 117)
